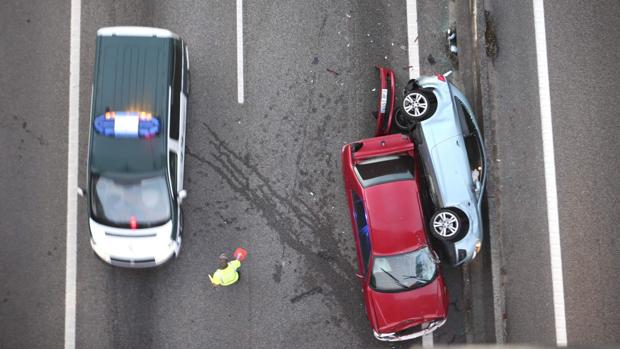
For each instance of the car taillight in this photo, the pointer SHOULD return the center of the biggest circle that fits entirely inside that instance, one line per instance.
(440, 77)
(133, 223)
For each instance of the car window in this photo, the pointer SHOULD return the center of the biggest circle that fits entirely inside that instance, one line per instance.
(173, 171)
(473, 144)
(176, 91)
(363, 230)
(119, 200)
(384, 169)
(185, 73)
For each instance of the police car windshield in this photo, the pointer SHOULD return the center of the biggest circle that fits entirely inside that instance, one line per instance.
(119, 200)
(404, 271)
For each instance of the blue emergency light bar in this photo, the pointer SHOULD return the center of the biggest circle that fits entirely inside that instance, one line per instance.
(127, 124)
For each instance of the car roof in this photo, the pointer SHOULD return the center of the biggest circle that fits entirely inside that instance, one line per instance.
(131, 74)
(395, 217)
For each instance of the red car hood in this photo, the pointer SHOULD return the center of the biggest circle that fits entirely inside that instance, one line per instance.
(397, 311)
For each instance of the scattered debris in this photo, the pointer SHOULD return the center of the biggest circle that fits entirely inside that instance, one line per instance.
(451, 36)
(348, 44)
(333, 71)
(368, 34)
(392, 44)
(315, 60)
(431, 60)
(371, 41)
(407, 67)
(386, 57)
(348, 15)
(374, 89)
(403, 47)
(311, 194)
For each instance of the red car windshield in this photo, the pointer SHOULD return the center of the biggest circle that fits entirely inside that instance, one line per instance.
(404, 271)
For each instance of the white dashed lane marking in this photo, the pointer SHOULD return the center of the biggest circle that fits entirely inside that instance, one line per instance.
(240, 95)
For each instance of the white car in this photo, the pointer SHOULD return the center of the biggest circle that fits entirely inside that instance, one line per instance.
(136, 146)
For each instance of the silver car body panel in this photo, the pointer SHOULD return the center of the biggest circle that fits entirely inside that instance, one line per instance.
(441, 146)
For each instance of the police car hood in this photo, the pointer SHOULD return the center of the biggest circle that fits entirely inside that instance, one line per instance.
(132, 244)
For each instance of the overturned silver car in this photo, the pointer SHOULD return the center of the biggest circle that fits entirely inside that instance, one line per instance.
(451, 148)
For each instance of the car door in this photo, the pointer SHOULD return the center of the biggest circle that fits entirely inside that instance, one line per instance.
(363, 245)
(181, 66)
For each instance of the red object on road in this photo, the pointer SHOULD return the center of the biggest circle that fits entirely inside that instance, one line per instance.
(240, 254)
(385, 110)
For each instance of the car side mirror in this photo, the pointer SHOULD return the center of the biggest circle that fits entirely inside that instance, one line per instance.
(181, 195)
(81, 191)
(359, 276)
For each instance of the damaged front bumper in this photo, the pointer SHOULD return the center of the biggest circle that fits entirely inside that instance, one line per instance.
(411, 333)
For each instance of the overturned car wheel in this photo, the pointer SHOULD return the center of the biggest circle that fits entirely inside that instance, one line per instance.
(447, 225)
(403, 122)
(419, 104)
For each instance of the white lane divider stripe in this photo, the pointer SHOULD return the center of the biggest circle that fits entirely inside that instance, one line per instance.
(412, 42)
(427, 340)
(414, 72)
(72, 173)
(240, 96)
(550, 176)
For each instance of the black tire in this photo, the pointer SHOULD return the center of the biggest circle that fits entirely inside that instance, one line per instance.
(419, 105)
(447, 225)
(402, 122)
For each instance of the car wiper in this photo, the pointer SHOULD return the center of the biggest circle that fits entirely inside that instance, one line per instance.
(394, 278)
(416, 278)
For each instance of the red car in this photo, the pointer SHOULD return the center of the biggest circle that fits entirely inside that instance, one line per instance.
(404, 293)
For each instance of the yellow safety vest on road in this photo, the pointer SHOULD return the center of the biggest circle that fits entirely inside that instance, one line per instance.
(228, 276)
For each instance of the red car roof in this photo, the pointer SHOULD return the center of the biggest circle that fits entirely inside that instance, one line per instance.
(395, 217)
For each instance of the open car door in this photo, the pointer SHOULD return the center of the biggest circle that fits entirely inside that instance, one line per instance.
(385, 112)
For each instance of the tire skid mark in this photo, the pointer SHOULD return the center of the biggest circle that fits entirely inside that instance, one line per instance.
(299, 226)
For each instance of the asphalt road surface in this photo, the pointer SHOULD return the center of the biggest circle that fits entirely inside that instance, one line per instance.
(582, 42)
(265, 174)
(34, 70)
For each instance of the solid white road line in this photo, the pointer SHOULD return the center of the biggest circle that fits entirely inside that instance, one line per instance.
(412, 44)
(550, 177)
(414, 72)
(72, 173)
(240, 96)
(427, 340)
